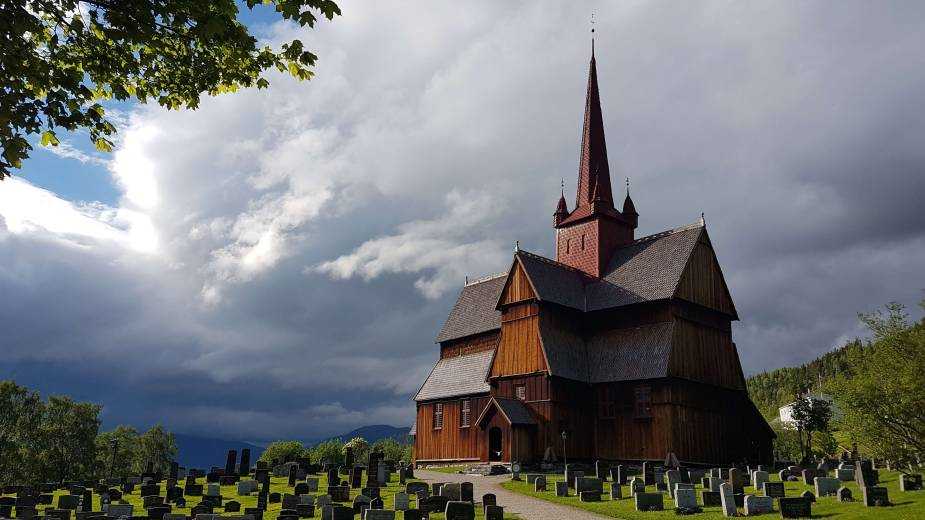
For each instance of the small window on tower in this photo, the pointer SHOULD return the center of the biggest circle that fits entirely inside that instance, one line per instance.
(568, 245)
(582, 242)
(521, 392)
(464, 413)
(438, 416)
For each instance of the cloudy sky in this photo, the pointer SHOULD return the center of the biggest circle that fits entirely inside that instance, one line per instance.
(277, 263)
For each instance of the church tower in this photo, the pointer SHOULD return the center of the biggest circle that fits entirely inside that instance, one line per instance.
(587, 236)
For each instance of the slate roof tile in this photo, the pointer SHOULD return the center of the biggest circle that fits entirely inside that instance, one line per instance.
(455, 376)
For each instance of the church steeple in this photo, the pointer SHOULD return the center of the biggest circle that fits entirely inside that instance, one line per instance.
(593, 169)
(587, 236)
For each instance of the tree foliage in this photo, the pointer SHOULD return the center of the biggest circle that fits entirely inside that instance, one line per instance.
(810, 415)
(360, 448)
(882, 397)
(280, 452)
(328, 451)
(62, 58)
(134, 453)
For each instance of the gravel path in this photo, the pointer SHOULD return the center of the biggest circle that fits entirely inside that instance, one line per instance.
(528, 508)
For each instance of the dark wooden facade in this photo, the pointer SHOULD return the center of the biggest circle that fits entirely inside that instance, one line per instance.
(624, 344)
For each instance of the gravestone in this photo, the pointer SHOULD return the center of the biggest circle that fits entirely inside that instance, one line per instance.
(783, 475)
(361, 503)
(755, 505)
(379, 514)
(727, 500)
(637, 485)
(120, 510)
(371, 492)
(561, 488)
(844, 475)
(381, 474)
(244, 468)
(290, 501)
(809, 496)
(808, 476)
(736, 480)
(489, 499)
(826, 486)
(773, 489)
(685, 498)
(710, 498)
(339, 493)
(589, 484)
(312, 483)
(589, 496)
(230, 462)
(294, 471)
(617, 475)
(571, 475)
(253, 512)
(911, 482)
(415, 514)
(376, 503)
(616, 491)
(844, 495)
(301, 488)
(68, 502)
(151, 501)
(713, 484)
(466, 492)
(414, 488)
(432, 504)
(673, 477)
(323, 501)
(600, 470)
(539, 484)
(348, 456)
(214, 490)
(458, 510)
(401, 501)
(759, 478)
(875, 496)
(649, 501)
(493, 512)
(356, 477)
(865, 475)
(341, 513)
(794, 507)
(451, 491)
(648, 474)
(307, 500)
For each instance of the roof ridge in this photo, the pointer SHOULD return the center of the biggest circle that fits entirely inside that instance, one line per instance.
(483, 279)
(555, 263)
(668, 232)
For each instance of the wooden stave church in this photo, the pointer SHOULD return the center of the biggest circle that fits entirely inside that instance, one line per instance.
(623, 344)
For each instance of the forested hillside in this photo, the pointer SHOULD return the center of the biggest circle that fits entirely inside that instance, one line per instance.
(771, 390)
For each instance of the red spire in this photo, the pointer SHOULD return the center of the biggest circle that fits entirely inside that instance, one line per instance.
(593, 170)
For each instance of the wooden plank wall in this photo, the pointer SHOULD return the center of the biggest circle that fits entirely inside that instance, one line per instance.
(702, 281)
(519, 350)
(518, 287)
(451, 442)
(625, 437)
(705, 354)
(470, 345)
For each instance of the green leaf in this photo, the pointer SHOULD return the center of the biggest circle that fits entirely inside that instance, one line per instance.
(49, 138)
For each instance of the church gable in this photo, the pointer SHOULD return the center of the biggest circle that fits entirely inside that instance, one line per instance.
(518, 287)
(702, 281)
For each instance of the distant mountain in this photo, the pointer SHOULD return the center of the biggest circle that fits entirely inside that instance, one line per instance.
(203, 453)
(374, 433)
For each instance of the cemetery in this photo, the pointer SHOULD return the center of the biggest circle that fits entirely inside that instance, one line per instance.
(655, 491)
(381, 490)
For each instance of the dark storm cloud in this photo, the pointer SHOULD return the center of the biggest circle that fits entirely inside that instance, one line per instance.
(311, 238)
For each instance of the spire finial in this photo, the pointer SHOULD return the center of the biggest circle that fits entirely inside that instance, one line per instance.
(592, 34)
(562, 185)
(516, 246)
(703, 221)
(627, 186)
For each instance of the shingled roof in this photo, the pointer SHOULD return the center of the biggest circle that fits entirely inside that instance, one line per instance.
(475, 310)
(514, 410)
(630, 354)
(458, 375)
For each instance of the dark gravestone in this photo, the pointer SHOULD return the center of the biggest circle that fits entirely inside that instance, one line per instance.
(275, 498)
(305, 510)
(245, 467)
(433, 504)
(293, 471)
(648, 473)
(158, 512)
(494, 513)
(589, 496)
(600, 470)
(341, 513)
(618, 475)
(710, 498)
(808, 495)
(254, 512)
(452, 491)
(489, 499)
(376, 503)
(58, 514)
(70, 502)
(458, 510)
(290, 501)
(151, 501)
(415, 514)
(413, 488)
(356, 477)
(348, 456)
(230, 462)
(794, 507)
(875, 496)
(86, 501)
(865, 475)
(360, 503)
(200, 509)
(774, 489)
(262, 501)
(150, 489)
(911, 482)
(174, 470)
(371, 492)
(650, 502)
(466, 492)
(301, 489)
(844, 495)
(339, 493)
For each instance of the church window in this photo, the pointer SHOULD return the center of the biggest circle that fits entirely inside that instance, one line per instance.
(582, 242)
(643, 405)
(608, 404)
(568, 245)
(521, 392)
(438, 416)
(464, 413)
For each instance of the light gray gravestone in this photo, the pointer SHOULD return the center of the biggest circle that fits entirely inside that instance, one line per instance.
(826, 486)
(685, 498)
(727, 500)
(755, 505)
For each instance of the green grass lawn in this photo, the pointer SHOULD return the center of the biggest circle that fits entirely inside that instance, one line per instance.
(446, 469)
(277, 485)
(909, 505)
